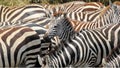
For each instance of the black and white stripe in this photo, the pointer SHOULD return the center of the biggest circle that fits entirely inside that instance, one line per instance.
(85, 48)
(113, 60)
(22, 13)
(43, 21)
(74, 6)
(106, 14)
(19, 45)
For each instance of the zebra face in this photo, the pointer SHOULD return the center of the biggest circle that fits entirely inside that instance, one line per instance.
(61, 27)
(55, 28)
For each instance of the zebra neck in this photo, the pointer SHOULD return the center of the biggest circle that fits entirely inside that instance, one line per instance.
(66, 36)
(56, 55)
(105, 19)
(67, 30)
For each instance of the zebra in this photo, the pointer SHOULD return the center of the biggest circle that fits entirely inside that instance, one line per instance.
(22, 12)
(84, 48)
(38, 26)
(96, 16)
(110, 15)
(22, 44)
(107, 18)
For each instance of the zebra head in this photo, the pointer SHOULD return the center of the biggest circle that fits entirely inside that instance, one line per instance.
(116, 11)
(61, 27)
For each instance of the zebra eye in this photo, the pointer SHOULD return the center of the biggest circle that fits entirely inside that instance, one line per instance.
(55, 26)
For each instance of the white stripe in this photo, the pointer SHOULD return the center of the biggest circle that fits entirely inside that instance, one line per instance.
(16, 43)
(23, 48)
(1, 62)
(4, 47)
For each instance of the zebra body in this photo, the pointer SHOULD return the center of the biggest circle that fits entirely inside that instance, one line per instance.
(45, 46)
(22, 13)
(19, 45)
(86, 7)
(65, 31)
(43, 21)
(108, 18)
(85, 48)
(22, 43)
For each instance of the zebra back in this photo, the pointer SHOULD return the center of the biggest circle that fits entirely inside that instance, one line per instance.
(22, 13)
(86, 7)
(43, 22)
(74, 7)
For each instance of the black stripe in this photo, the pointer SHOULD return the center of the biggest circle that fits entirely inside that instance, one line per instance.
(2, 55)
(26, 40)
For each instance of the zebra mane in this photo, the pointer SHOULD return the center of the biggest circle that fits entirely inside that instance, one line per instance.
(61, 27)
(104, 10)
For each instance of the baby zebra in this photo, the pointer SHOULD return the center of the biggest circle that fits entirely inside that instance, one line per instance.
(85, 48)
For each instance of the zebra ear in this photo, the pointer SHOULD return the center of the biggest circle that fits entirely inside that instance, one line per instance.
(110, 3)
(112, 6)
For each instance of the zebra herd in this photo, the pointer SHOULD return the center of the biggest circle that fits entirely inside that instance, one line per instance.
(73, 34)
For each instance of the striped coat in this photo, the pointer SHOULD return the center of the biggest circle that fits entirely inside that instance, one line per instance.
(19, 45)
(21, 13)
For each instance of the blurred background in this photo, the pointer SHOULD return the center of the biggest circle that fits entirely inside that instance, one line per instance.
(24, 2)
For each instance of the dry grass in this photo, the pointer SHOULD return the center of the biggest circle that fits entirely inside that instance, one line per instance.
(24, 2)
(14, 2)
